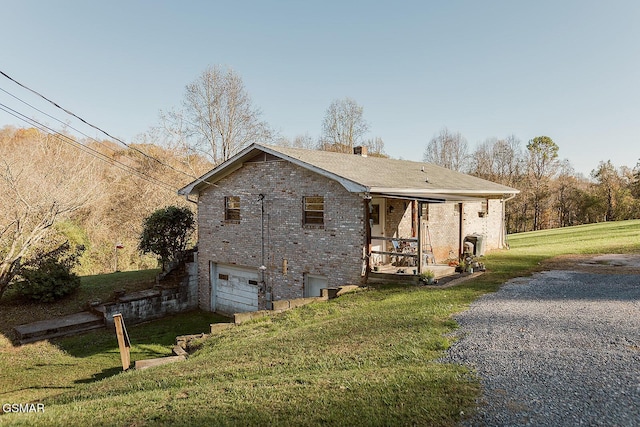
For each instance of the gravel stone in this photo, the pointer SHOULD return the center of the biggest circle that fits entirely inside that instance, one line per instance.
(560, 348)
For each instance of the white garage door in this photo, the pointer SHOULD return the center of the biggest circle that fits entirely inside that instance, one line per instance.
(234, 289)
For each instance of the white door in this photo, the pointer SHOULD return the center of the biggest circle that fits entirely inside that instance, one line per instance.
(234, 289)
(377, 229)
(313, 285)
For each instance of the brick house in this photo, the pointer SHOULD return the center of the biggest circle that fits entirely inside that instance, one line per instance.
(280, 223)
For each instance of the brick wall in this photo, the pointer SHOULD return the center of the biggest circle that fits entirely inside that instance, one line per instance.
(444, 226)
(334, 251)
(444, 230)
(398, 218)
(489, 224)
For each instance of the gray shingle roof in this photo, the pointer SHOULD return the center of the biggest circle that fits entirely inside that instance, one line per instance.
(370, 174)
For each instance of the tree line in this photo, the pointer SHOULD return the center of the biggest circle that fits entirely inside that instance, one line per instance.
(552, 194)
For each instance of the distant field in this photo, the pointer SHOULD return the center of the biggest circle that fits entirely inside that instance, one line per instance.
(367, 358)
(604, 237)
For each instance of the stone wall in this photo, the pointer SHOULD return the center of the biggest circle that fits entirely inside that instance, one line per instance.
(158, 302)
(271, 230)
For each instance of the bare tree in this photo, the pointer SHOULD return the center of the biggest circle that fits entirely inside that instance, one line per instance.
(508, 160)
(300, 141)
(448, 149)
(567, 195)
(304, 141)
(42, 180)
(614, 188)
(375, 147)
(498, 160)
(217, 116)
(542, 165)
(343, 127)
(482, 162)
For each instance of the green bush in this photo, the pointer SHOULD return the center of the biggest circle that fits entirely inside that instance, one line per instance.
(166, 233)
(48, 277)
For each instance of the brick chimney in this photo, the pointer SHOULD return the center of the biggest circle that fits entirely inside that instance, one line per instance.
(360, 151)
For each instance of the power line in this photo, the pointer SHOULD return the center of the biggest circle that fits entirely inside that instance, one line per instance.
(56, 119)
(89, 124)
(86, 149)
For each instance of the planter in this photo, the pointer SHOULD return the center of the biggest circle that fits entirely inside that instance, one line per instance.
(429, 281)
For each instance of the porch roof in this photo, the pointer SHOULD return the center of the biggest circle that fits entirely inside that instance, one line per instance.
(427, 197)
(368, 175)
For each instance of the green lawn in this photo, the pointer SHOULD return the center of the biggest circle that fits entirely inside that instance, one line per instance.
(367, 358)
(15, 310)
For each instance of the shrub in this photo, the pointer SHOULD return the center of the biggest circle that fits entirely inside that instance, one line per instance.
(166, 233)
(49, 277)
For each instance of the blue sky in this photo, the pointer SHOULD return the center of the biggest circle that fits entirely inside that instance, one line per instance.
(566, 69)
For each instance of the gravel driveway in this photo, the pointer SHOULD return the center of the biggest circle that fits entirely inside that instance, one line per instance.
(560, 348)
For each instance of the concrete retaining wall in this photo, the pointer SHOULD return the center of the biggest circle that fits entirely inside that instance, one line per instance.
(157, 302)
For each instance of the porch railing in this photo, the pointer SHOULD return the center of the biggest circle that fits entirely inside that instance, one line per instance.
(403, 247)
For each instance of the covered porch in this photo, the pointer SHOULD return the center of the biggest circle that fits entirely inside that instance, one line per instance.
(410, 235)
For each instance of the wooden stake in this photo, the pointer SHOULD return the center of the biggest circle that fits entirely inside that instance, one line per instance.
(123, 341)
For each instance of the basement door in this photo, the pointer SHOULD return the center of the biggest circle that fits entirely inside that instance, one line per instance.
(234, 289)
(313, 285)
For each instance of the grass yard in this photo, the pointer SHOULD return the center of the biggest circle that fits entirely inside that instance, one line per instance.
(367, 358)
(15, 310)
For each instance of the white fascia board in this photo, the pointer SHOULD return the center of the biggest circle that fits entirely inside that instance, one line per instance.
(223, 169)
(442, 191)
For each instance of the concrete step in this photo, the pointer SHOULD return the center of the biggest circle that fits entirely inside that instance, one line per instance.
(62, 326)
(149, 363)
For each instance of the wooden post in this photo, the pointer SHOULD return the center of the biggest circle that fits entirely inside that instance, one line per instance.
(123, 341)
(420, 238)
(366, 250)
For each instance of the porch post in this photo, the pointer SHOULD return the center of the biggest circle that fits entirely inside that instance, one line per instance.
(461, 232)
(367, 238)
(420, 237)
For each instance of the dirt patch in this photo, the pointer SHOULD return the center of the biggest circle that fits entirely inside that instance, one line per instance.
(597, 264)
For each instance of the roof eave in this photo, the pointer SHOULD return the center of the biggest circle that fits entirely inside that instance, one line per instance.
(444, 191)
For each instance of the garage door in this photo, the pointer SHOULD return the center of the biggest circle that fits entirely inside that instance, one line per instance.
(234, 289)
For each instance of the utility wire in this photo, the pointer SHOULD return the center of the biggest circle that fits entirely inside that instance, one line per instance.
(93, 126)
(85, 149)
(57, 120)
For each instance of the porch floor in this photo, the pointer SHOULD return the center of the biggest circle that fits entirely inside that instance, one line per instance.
(392, 273)
(440, 270)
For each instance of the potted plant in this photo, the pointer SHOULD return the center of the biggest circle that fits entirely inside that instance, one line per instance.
(428, 277)
(469, 264)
